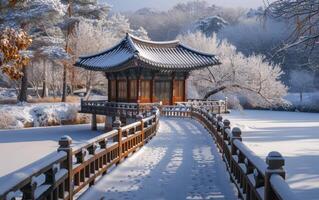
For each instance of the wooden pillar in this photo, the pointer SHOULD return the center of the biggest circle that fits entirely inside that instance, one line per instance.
(117, 89)
(128, 90)
(172, 89)
(185, 90)
(152, 88)
(93, 123)
(109, 89)
(138, 88)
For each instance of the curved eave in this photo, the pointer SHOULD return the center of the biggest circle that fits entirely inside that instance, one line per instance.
(200, 62)
(114, 68)
(103, 52)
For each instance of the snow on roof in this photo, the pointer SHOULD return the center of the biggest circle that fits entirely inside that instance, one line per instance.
(133, 52)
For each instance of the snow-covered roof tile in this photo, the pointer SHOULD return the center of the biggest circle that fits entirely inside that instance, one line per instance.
(133, 52)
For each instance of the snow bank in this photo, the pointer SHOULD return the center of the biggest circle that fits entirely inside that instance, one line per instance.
(294, 134)
(7, 93)
(36, 115)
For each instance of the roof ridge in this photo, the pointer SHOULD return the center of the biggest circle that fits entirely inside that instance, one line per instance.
(132, 38)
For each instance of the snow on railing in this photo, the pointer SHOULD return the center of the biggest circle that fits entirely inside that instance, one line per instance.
(104, 107)
(35, 179)
(65, 173)
(253, 177)
(215, 106)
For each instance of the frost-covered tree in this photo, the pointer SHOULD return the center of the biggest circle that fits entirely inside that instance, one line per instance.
(37, 17)
(210, 25)
(257, 80)
(79, 10)
(90, 38)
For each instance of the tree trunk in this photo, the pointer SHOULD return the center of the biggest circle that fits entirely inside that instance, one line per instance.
(214, 91)
(44, 83)
(88, 93)
(22, 97)
(221, 88)
(64, 85)
(88, 87)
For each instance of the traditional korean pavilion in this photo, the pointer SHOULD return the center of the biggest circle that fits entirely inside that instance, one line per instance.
(140, 71)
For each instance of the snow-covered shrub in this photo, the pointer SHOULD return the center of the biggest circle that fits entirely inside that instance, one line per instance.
(8, 121)
(71, 113)
(45, 117)
(54, 114)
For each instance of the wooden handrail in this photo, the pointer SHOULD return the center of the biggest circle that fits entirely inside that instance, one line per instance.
(65, 173)
(103, 107)
(254, 178)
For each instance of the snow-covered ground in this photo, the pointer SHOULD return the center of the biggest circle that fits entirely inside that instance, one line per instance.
(19, 148)
(180, 162)
(39, 114)
(295, 135)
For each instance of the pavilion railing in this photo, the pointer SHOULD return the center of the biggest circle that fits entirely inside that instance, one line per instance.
(254, 178)
(215, 106)
(67, 172)
(103, 107)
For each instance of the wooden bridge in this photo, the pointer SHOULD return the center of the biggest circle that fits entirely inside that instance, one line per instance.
(80, 171)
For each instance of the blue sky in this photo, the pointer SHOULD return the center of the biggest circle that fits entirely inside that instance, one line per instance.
(131, 5)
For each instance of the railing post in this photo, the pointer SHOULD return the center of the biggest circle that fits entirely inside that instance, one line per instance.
(117, 126)
(236, 135)
(65, 145)
(226, 126)
(219, 119)
(140, 118)
(275, 163)
(28, 191)
(154, 112)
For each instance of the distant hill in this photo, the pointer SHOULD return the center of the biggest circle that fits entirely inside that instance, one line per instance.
(133, 5)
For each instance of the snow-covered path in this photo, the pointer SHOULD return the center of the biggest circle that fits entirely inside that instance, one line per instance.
(295, 135)
(180, 162)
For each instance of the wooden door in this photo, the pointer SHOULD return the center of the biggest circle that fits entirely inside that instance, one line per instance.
(163, 91)
(179, 91)
(145, 91)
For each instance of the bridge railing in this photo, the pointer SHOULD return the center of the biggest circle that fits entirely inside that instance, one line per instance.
(215, 106)
(254, 178)
(103, 107)
(63, 174)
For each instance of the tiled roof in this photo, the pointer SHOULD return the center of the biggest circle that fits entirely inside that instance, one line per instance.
(134, 52)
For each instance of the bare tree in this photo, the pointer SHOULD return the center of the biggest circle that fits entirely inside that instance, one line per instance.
(303, 14)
